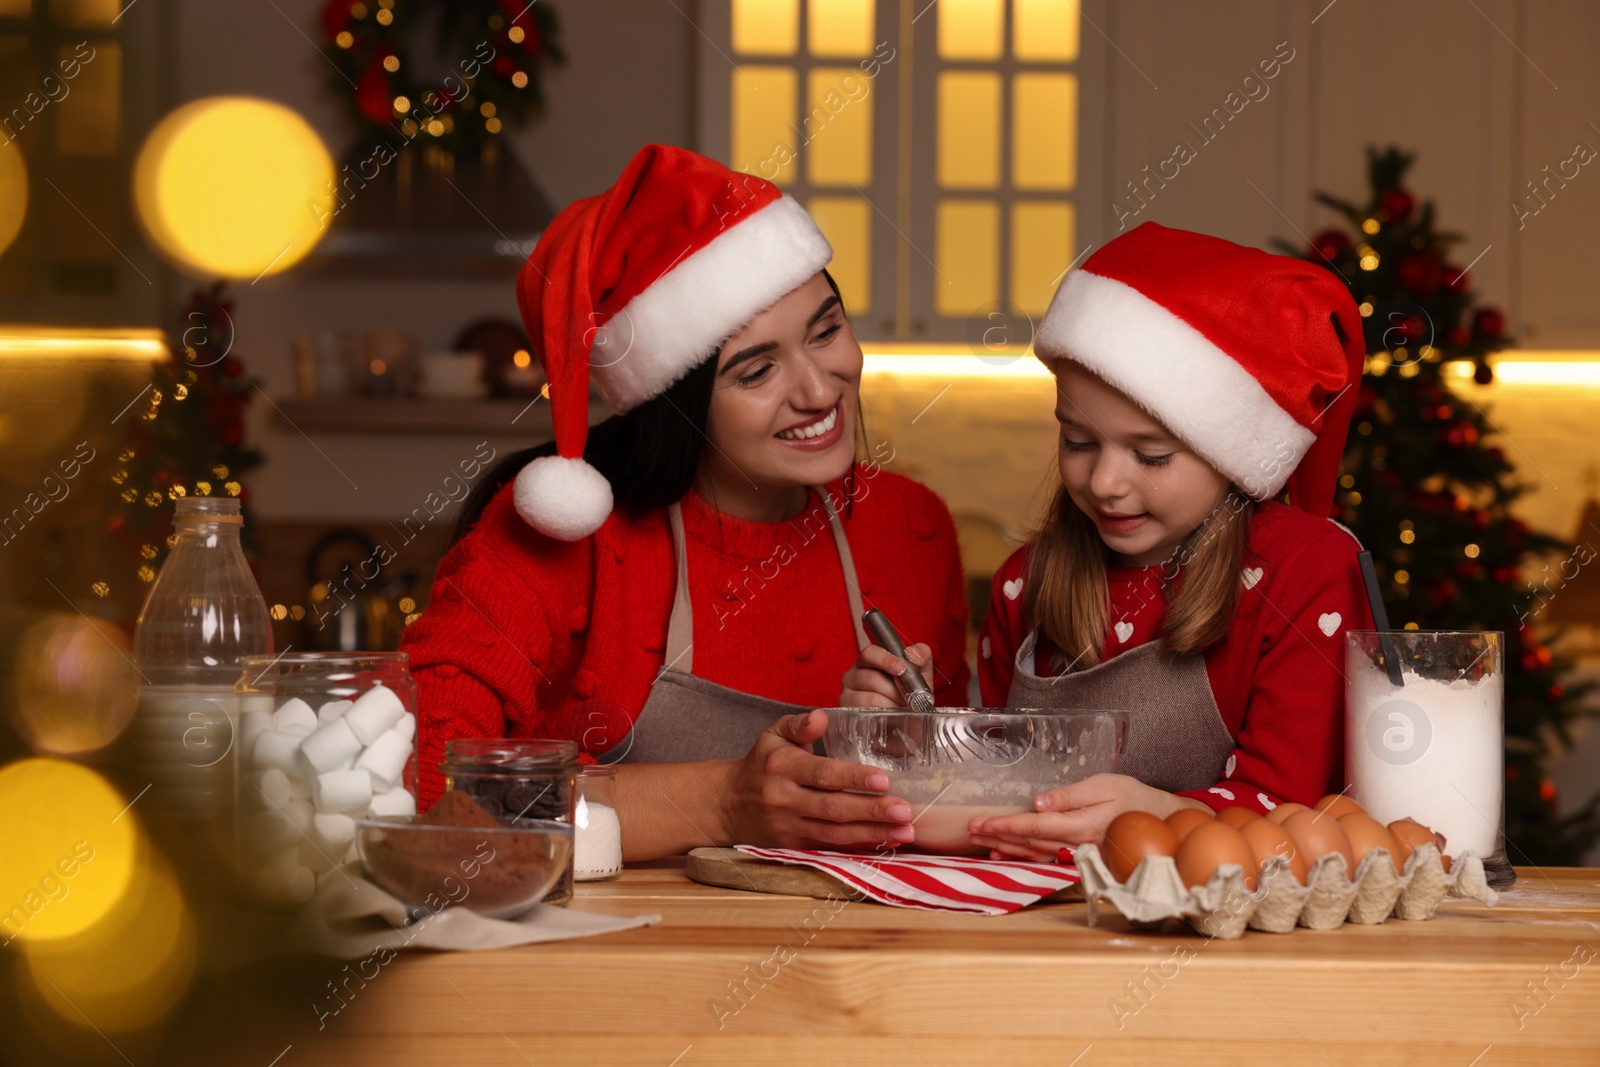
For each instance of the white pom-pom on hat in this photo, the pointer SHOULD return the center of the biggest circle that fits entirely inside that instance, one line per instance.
(562, 498)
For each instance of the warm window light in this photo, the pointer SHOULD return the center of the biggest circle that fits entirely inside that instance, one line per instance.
(13, 192)
(146, 346)
(1537, 368)
(952, 361)
(231, 186)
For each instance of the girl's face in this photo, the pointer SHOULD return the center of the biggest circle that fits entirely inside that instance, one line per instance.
(783, 409)
(1145, 491)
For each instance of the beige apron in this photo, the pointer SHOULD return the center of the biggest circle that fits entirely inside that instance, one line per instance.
(686, 718)
(1176, 741)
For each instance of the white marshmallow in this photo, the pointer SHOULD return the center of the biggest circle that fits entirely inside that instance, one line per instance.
(317, 858)
(298, 729)
(342, 790)
(331, 746)
(394, 802)
(295, 712)
(272, 829)
(374, 712)
(299, 813)
(324, 877)
(385, 760)
(300, 788)
(407, 726)
(333, 709)
(333, 832)
(275, 748)
(251, 725)
(268, 789)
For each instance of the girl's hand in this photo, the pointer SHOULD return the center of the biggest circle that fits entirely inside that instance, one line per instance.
(1073, 815)
(783, 795)
(870, 683)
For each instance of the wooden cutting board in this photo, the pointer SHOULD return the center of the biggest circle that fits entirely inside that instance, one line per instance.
(732, 869)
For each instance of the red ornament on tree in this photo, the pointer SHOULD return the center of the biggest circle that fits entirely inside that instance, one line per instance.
(1331, 244)
(1419, 272)
(1396, 203)
(372, 91)
(1457, 281)
(1483, 374)
(1489, 323)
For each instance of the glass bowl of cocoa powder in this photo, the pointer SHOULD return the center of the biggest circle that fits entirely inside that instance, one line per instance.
(458, 855)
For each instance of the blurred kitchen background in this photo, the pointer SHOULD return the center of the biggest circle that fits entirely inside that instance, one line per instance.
(961, 155)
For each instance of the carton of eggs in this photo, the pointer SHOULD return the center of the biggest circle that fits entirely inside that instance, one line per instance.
(308, 774)
(1314, 867)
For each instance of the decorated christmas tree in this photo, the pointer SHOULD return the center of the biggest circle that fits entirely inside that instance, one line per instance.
(1428, 491)
(185, 434)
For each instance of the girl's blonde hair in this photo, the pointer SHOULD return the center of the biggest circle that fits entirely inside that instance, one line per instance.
(1065, 591)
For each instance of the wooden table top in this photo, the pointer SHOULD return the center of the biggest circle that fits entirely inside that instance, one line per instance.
(730, 977)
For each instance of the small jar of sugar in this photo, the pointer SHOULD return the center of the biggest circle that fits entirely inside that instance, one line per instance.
(597, 844)
(322, 739)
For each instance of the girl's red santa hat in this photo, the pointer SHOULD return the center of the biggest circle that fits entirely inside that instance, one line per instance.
(634, 288)
(1253, 360)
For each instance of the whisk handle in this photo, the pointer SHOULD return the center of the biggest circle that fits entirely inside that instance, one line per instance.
(917, 692)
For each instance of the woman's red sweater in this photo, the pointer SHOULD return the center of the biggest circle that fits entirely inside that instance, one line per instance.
(527, 636)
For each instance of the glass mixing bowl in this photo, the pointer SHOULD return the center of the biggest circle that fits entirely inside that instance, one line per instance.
(956, 764)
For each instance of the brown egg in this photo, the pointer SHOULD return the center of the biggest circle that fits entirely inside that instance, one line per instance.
(1186, 820)
(1131, 837)
(1207, 846)
(1316, 835)
(1236, 817)
(1339, 805)
(1284, 810)
(1409, 835)
(1268, 839)
(1366, 833)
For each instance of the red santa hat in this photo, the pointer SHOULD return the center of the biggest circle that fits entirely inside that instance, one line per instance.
(1251, 359)
(634, 288)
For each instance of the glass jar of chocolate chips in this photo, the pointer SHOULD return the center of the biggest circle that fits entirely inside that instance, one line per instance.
(515, 778)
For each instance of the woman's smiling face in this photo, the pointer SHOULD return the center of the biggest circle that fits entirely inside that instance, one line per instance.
(783, 408)
(1144, 489)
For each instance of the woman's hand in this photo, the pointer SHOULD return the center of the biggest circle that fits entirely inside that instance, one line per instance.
(1077, 814)
(783, 795)
(870, 683)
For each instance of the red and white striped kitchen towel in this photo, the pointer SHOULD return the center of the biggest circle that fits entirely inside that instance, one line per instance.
(934, 883)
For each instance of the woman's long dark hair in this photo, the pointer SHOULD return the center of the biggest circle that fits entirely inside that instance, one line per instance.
(650, 455)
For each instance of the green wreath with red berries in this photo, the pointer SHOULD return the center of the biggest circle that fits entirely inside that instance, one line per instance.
(495, 52)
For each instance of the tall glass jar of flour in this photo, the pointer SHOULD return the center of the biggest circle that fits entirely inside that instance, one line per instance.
(1431, 747)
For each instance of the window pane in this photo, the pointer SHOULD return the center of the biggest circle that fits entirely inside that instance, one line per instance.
(1045, 30)
(84, 12)
(90, 118)
(1041, 249)
(763, 108)
(967, 254)
(840, 27)
(1044, 133)
(837, 128)
(969, 130)
(846, 221)
(971, 29)
(766, 27)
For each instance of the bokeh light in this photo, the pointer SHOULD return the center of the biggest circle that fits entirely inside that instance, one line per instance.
(230, 187)
(68, 852)
(13, 192)
(73, 686)
(127, 971)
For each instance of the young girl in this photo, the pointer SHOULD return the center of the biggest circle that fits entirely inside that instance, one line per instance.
(1195, 380)
(688, 631)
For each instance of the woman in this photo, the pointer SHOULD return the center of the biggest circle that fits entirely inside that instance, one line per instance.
(686, 632)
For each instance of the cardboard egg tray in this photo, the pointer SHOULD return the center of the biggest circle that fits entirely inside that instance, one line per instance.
(1224, 908)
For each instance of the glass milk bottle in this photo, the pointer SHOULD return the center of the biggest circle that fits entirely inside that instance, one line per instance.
(204, 614)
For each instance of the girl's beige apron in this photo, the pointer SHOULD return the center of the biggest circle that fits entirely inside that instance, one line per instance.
(686, 718)
(1176, 738)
